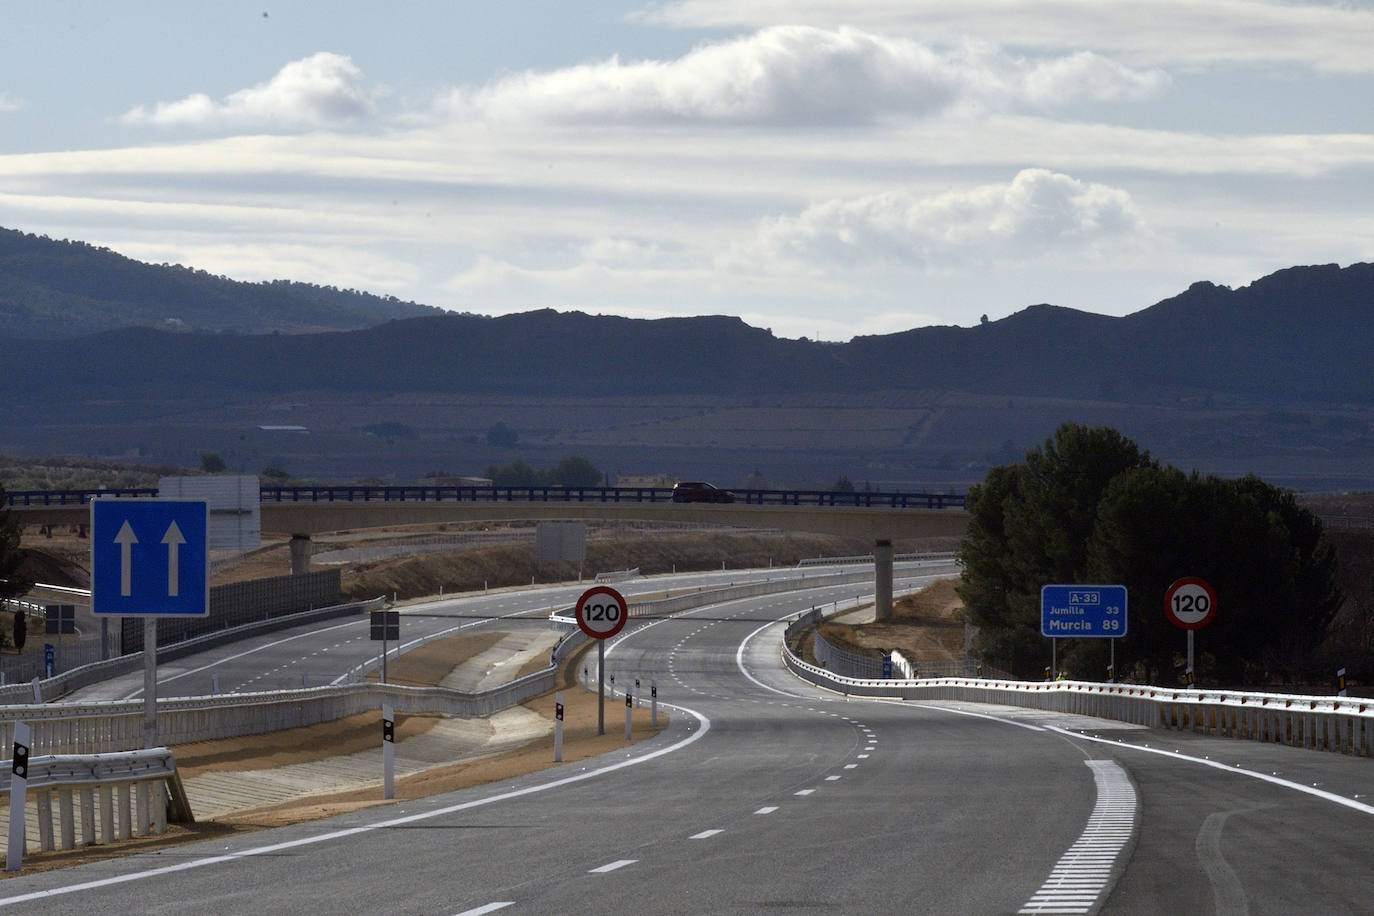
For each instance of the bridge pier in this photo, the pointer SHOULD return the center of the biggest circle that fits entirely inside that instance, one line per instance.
(882, 579)
(300, 554)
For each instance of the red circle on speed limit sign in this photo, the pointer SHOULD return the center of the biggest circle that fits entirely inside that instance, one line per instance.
(1190, 603)
(601, 612)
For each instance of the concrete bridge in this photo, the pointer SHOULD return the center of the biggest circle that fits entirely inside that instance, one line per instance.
(302, 512)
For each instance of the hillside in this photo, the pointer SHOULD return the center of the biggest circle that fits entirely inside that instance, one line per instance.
(1298, 336)
(51, 289)
(1270, 378)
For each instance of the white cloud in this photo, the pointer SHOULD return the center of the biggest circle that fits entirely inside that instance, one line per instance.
(9, 102)
(800, 74)
(322, 90)
(1091, 76)
(1324, 36)
(1037, 213)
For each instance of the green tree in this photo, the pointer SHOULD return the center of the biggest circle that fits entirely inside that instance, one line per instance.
(274, 476)
(12, 584)
(516, 474)
(842, 484)
(1268, 560)
(1029, 526)
(1091, 507)
(574, 471)
(211, 463)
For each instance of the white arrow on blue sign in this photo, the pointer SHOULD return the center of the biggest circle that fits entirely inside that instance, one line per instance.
(150, 557)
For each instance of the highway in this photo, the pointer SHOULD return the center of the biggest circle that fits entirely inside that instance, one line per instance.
(766, 794)
(317, 654)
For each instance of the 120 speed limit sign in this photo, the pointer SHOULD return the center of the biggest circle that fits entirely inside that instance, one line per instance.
(601, 612)
(1190, 603)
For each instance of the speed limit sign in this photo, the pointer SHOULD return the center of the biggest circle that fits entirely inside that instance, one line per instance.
(1190, 603)
(601, 612)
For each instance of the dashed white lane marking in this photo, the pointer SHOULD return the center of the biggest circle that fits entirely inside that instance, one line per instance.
(1081, 875)
(851, 766)
(704, 834)
(612, 866)
(767, 809)
(489, 908)
(863, 756)
(804, 792)
(831, 778)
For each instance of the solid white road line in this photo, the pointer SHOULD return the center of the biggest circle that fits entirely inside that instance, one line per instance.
(1217, 765)
(332, 835)
(611, 866)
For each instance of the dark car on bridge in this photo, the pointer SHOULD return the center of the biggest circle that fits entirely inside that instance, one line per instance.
(698, 491)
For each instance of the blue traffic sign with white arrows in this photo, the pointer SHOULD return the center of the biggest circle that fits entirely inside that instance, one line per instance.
(150, 557)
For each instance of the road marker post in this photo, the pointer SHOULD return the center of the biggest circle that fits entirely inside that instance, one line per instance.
(558, 727)
(629, 713)
(19, 782)
(388, 751)
(653, 703)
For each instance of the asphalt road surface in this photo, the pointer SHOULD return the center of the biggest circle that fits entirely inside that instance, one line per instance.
(767, 794)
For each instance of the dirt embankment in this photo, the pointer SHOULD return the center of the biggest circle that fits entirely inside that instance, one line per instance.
(925, 626)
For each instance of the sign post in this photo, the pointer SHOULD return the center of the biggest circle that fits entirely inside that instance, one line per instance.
(1092, 611)
(1190, 604)
(150, 558)
(385, 626)
(601, 613)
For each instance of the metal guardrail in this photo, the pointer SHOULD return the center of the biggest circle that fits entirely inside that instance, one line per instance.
(143, 787)
(347, 493)
(114, 726)
(1338, 724)
(868, 558)
(620, 575)
(76, 678)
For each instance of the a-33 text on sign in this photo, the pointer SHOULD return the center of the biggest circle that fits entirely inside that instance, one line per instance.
(1083, 610)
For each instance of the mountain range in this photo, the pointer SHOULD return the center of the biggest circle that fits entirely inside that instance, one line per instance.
(51, 288)
(1222, 376)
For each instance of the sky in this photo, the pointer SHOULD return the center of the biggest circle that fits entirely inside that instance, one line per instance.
(820, 168)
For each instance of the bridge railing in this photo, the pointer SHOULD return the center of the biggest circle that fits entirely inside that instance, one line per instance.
(365, 494)
(603, 495)
(72, 497)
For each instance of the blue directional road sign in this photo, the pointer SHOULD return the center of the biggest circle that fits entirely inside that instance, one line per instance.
(1083, 610)
(150, 557)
